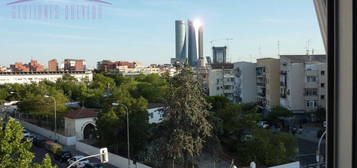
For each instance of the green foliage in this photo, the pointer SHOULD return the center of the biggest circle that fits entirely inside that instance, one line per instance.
(278, 112)
(111, 122)
(185, 125)
(217, 102)
(267, 148)
(46, 163)
(14, 151)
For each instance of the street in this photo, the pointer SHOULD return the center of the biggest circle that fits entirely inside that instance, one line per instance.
(41, 152)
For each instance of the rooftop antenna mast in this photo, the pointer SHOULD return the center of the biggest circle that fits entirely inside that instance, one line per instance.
(308, 47)
(278, 48)
(260, 51)
(228, 40)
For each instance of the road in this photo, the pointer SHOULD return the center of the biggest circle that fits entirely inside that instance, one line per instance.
(41, 152)
(307, 152)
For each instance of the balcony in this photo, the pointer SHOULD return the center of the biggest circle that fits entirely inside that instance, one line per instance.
(260, 71)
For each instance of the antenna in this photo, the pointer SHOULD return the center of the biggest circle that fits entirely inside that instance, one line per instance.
(308, 47)
(260, 51)
(278, 48)
(227, 40)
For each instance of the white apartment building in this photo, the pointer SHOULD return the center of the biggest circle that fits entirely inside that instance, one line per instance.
(315, 86)
(245, 82)
(29, 77)
(292, 80)
(221, 81)
(126, 71)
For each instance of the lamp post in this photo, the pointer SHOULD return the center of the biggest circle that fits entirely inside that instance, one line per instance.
(318, 150)
(55, 109)
(127, 128)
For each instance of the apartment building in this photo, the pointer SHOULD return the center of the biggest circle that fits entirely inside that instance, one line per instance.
(52, 65)
(292, 80)
(221, 81)
(19, 67)
(245, 82)
(315, 86)
(268, 83)
(74, 65)
(34, 66)
(4, 69)
(29, 77)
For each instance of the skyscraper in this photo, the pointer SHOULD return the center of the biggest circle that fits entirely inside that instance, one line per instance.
(219, 54)
(181, 40)
(195, 42)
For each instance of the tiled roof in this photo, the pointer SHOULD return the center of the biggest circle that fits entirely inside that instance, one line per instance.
(155, 105)
(82, 113)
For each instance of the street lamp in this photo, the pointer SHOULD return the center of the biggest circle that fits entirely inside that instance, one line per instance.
(127, 128)
(318, 150)
(55, 109)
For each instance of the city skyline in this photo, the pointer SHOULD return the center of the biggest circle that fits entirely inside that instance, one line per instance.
(256, 28)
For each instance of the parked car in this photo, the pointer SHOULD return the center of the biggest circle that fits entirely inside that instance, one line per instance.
(26, 133)
(93, 165)
(263, 124)
(79, 164)
(63, 155)
(39, 142)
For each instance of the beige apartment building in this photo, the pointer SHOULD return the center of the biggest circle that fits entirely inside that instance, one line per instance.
(268, 82)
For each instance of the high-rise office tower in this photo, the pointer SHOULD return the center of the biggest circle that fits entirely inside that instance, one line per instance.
(181, 40)
(195, 42)
(219, 55)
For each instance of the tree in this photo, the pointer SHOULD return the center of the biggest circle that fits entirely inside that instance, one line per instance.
(278, 112)
(14, 151)
(217, 102)
(185, 119)
(267, 148)
(111, 122)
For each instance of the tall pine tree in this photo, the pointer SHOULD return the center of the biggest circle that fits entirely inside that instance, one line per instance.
(185, 122)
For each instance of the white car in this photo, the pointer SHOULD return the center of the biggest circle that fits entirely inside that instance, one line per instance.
(26, 133)
(80, 164)
(263, 124)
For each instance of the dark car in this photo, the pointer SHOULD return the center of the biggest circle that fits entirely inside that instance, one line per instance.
(93, 165)
(63, 155)
(39, 142)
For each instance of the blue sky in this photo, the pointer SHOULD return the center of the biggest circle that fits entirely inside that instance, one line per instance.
(143, 30)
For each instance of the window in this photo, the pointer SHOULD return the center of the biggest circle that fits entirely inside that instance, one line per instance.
(322, 73)
(311, 78)
(322, 85)
(310, 91)
(322, 97)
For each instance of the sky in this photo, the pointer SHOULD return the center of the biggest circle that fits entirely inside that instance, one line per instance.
(144, 30)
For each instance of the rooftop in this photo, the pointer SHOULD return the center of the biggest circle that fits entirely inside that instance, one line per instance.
(82, 113)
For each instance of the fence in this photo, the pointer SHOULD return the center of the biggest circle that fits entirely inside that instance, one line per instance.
(49, 134)
(114, 160)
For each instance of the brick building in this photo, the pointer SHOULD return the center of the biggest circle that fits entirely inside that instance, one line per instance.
(34, 66)
(109, 66)
(74, 65)
(52, 65)
(19, 67)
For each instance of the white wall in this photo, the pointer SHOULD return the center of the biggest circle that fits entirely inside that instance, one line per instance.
(49, 134)
(114, 160)
(248, 84)
(27, 78)
(296, 85)
(154, 115)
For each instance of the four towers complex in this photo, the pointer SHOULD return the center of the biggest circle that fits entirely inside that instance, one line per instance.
(189, 42)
